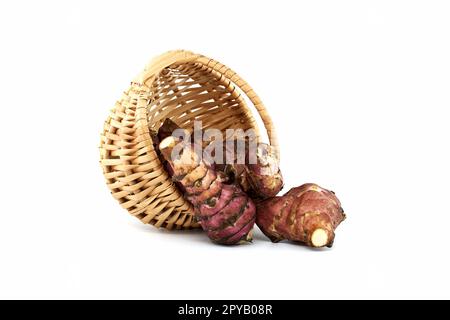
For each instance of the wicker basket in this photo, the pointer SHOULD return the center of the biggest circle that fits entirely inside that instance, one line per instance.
(184, 87)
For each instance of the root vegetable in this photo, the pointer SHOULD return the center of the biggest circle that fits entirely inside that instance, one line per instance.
(309, 214)
(258, 175)
(265, 175)
(223, 210)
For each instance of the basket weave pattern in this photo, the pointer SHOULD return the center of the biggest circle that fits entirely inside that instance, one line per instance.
(184, 87)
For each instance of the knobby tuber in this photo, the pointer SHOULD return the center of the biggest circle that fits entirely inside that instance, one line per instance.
(256, 171)
(308, 214)
(259, 174)
(223, 210)
(265, 175)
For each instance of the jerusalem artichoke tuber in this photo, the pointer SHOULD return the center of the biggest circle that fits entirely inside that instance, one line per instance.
(223, 210)
(259, 174)
(264, 176)
(308, 214)
(256, 171)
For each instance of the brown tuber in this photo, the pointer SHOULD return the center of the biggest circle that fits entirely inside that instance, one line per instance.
(265, 175)
(308, 214)
(259, 174)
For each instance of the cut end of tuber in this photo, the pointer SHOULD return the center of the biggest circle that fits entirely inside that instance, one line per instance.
(319, 238)
(168, 142)
(308, 214)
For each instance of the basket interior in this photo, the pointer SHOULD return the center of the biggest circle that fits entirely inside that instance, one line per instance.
(191, 91)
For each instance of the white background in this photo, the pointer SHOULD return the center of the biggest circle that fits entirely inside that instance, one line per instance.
(358, 90)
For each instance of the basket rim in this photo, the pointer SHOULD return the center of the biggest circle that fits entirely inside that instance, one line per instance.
(176, 57)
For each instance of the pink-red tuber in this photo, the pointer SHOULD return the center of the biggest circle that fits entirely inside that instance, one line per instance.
(309, 214)
(223, 210)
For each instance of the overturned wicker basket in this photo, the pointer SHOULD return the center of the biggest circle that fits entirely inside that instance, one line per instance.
(184, 87)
